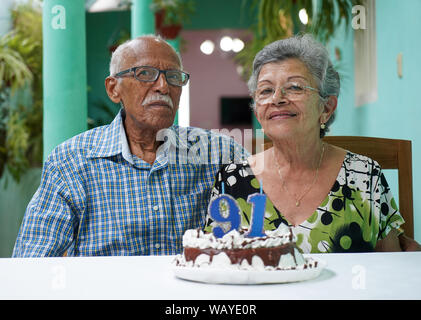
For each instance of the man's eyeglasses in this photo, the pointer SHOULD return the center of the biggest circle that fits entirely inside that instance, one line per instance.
(150, 74)
(290, 90)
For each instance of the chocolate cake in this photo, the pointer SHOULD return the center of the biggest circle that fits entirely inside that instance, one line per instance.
(275, 251)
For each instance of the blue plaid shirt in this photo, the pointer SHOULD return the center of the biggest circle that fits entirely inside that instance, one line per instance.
(96, 198)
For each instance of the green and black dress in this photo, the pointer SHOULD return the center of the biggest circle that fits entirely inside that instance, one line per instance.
(358, 211)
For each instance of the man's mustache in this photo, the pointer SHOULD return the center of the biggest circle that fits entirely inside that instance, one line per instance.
(158, 97)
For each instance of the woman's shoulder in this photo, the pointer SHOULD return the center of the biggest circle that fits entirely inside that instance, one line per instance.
(240, 168)
(358, 169)
(349, 157)
(359, 160)
(238, 178)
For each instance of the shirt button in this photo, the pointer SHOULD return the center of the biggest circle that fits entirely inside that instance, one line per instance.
(157, 245)
(155, 208)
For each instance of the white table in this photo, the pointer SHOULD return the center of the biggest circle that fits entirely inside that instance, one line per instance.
(347, 276)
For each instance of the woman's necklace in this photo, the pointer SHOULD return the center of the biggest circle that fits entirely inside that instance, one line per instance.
(298, 200)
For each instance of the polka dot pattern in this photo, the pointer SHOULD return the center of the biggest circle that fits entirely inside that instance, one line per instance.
(358, 211)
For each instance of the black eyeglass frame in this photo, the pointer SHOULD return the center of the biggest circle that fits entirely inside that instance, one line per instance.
(133, 69)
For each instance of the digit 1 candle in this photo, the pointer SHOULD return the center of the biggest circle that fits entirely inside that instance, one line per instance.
(258, 201)
(257, 215)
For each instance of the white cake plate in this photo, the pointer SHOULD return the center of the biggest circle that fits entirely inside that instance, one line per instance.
(230, 276)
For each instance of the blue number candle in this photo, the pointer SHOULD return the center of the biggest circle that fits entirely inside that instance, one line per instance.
(258, 201)
(233, 217)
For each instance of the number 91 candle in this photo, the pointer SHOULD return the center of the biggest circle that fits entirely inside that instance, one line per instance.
(224, 209)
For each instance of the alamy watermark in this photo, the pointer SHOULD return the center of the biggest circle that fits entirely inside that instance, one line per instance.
(359, 19)
(359, 277)
(58, 279)
(216, 146)
(59, 19)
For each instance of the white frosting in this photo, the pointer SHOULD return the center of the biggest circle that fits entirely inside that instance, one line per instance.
(222, 261)
(287, 261)
(195, 238)
(245, 265)
(299, 259)
(257, 263)
(202, 260)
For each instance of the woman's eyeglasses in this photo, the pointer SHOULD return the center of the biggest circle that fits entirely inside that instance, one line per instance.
(290, 90)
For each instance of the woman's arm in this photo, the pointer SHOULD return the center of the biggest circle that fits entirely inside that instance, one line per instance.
(396, 240)
(389, 243)
(408, 244)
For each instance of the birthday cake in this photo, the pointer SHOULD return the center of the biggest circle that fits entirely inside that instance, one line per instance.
(276, 250)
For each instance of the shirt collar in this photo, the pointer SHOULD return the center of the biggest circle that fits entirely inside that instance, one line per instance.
(113, 141)
(109, 142)
(125, 149)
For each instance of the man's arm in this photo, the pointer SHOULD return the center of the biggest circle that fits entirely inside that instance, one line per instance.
(49, 224)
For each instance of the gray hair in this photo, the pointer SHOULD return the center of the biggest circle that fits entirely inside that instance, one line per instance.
(130, 45)
(312, 53)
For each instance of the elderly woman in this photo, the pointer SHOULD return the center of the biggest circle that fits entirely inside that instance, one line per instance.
(334, 200)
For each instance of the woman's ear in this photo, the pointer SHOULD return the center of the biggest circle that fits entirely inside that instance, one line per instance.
(111, 86)
(329, 107)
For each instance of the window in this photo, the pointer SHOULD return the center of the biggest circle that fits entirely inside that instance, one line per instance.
(236, 111)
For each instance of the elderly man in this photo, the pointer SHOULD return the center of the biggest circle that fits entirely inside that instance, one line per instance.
(132, 187)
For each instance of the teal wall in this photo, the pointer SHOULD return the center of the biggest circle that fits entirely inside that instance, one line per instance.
(14, 198)
(397, 111)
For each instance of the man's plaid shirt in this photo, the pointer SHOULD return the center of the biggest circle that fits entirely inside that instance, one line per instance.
(96, 198)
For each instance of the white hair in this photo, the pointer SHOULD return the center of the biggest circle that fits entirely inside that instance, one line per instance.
(132, 47)
(312, 53)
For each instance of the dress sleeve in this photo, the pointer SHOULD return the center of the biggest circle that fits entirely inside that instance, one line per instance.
(389, 215)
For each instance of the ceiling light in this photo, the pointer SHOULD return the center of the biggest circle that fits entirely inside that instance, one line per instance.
(226, 43)
(207, 47)
(237, 45)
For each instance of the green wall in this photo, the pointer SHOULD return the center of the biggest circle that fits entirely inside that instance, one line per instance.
(14, 198)
(221, 14)
(397, 111)
(103, 30)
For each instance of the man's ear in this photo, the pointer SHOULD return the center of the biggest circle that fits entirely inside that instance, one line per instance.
(111, 86)
(329, 107)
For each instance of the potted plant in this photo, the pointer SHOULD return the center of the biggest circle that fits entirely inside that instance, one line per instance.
(280, 19)
(170, 16)
(21, 92)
